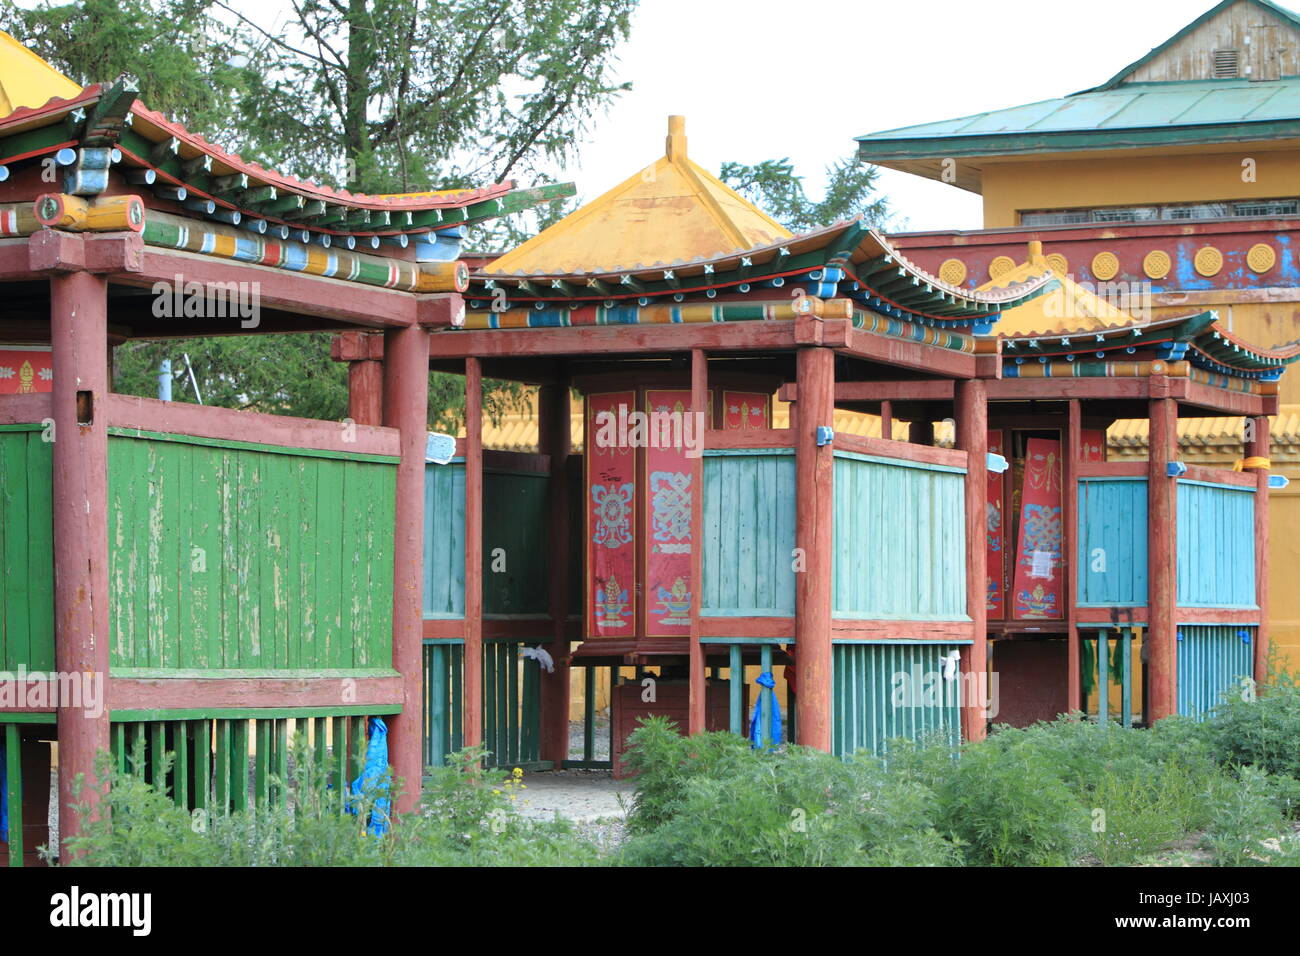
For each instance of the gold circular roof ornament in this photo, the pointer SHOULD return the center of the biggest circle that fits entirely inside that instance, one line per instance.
(952, 271)
(1105, 265)
(1059, 263)
(1208, 261)
(1261, 257)
(1000, 266)
(1156, 264)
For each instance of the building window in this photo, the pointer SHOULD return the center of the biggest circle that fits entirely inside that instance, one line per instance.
(1174, 212)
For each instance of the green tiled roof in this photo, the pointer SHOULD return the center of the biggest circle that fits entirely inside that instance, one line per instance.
(1150, 114)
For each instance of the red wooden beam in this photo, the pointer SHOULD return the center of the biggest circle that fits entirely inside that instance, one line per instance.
(1221, 400)
(405, 409)
(1222, 476)
(903, 451)
(845, 630)
(913, 355)
(614, 340)
(472, 696)
(972, 415)
(554, 439)
(697, 704)
(334, 299)
(179, 693)
(366, 392)
(228, 424)
(814, 516)
(1162, 578)
(79, 336)
(903, 390)
(715, 438)
(747, 627)
(26, 409)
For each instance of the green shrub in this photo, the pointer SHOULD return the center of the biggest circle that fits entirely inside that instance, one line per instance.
(466, 819)
(1263, 732)
(1005, 801)
(1247, 827)
(710, 800)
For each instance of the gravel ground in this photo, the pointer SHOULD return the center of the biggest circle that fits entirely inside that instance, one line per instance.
(582, 796)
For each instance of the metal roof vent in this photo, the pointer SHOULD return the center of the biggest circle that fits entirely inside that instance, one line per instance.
(1225, 64)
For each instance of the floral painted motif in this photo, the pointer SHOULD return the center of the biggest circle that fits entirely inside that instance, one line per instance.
(671, 515)
(613, 514)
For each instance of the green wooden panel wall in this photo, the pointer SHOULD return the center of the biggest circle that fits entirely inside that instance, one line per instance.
(1216, 545)
(515, 519)
(887, 690)
(748, 533)
(900, 541)
(247, 558)
(444, 540)
(27, 548)
(1112, 542)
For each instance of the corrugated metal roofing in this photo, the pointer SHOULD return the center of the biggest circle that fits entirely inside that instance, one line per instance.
(1131, 106)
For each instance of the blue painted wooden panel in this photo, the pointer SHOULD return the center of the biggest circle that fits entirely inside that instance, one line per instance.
(1216, 545)
(748, 533)
(900, 541)
(444, 540)
(884, 691)
(1212, 660)
(1112, 542)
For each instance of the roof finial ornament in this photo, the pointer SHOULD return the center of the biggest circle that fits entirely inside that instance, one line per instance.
(676, 142)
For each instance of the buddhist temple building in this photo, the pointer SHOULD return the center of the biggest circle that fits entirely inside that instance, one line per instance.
(1173, 187)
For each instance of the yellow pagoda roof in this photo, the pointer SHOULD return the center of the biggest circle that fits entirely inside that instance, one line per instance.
(27, 80)
(671, 211)
(1069, 308)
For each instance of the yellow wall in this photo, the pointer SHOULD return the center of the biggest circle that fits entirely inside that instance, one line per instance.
(1117, 179)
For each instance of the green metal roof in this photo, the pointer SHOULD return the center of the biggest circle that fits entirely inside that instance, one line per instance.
(1147, 114)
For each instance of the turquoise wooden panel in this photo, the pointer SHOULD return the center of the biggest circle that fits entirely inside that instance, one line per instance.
(247, 558)
(444, 540)
(883, 691)
(27, 550)
(1216, 545)
(1112, 542)
(1213, 659)
(515, 521)
(900, 541)
(749, 505)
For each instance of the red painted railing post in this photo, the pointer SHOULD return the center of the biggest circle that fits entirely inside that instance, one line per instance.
(473, 670)
(973, 438)
(814, 515)
(79, 337)
(405, 407)
(1162, 554)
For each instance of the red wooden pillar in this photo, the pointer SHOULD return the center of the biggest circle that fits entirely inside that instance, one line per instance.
(472, 721)
(79, 337)
(698, 699)
(553, 413)
(366, 392)
(814, 514)
(921, 433)
(1260, 448)
(972, 413)
(887, 420)
(405, 407)
(1162, 555)
(1070, 552)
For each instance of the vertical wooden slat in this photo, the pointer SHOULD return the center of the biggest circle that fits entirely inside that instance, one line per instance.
(736, 685)
(202, 764)
(1103, 678)
(181, 768)
(697, 702)
(14, 793)
(239, 765)
(222, 783)
(767, 695)
(1126, 675)
(589, 714)
(339, 755)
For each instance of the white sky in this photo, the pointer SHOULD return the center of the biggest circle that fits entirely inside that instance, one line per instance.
(767, 79)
